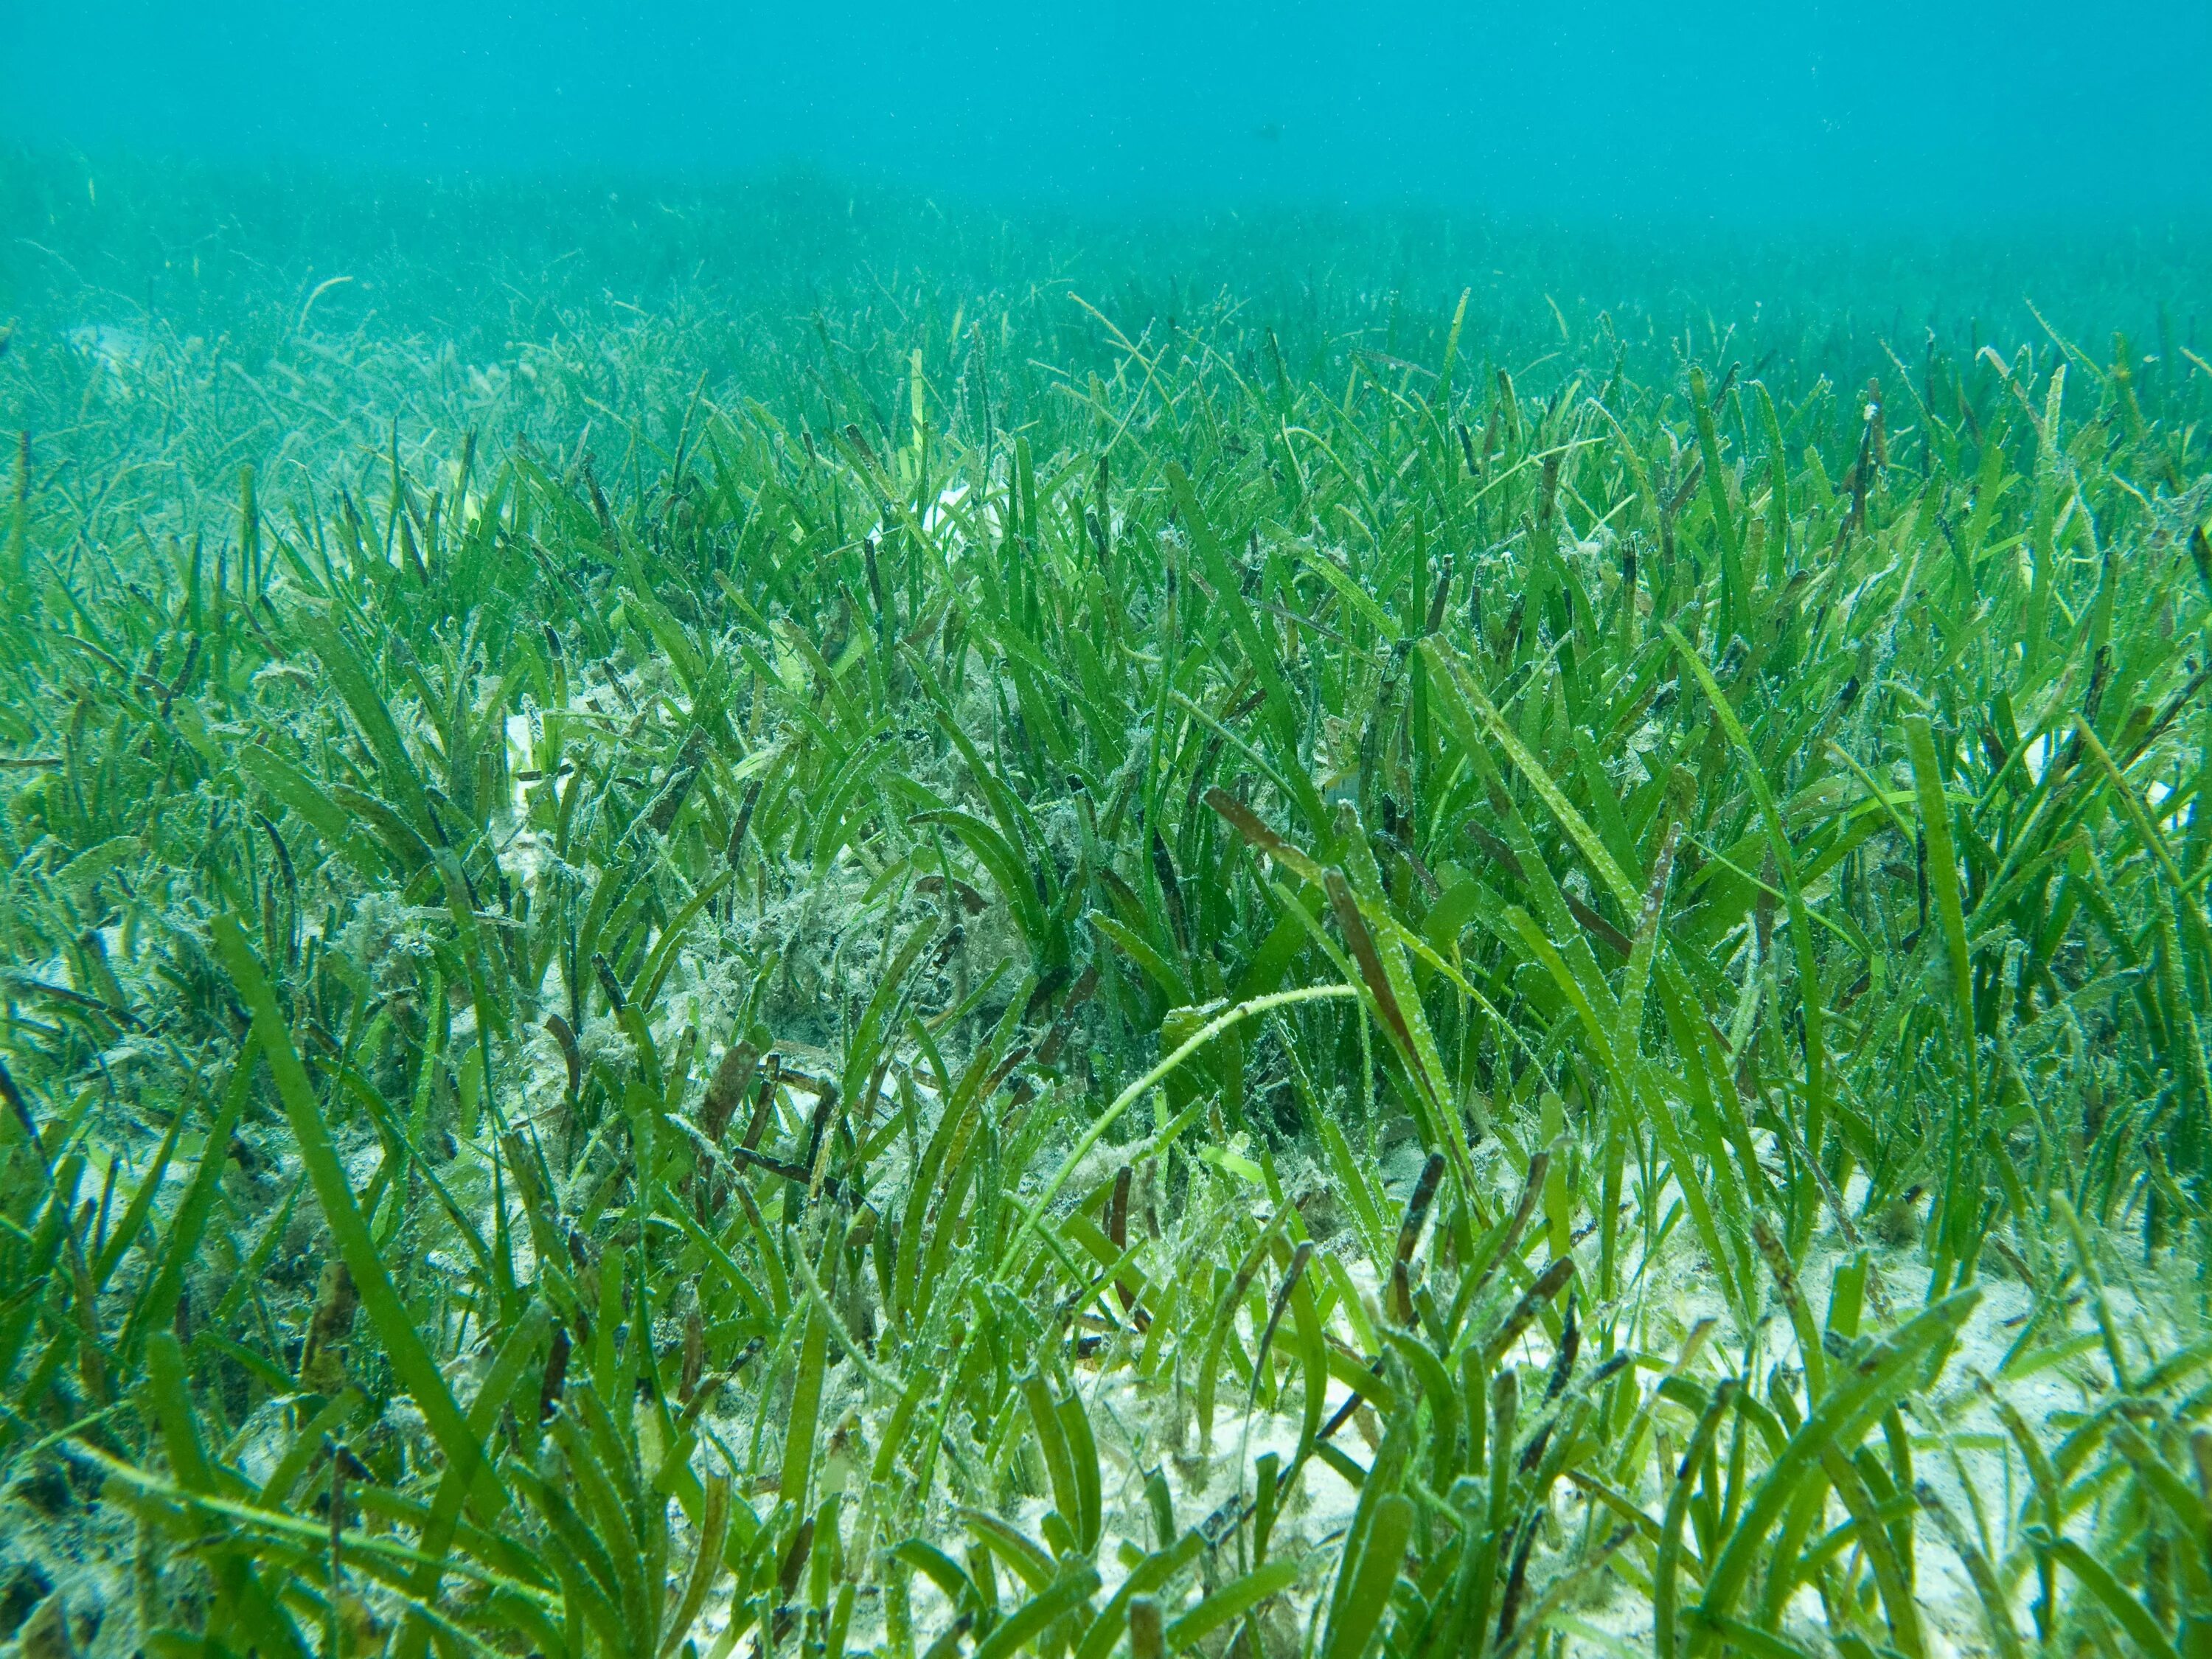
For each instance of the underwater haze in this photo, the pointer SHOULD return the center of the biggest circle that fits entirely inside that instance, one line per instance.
(1962, 112)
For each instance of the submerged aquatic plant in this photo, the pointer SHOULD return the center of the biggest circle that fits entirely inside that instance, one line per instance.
(1009, 985)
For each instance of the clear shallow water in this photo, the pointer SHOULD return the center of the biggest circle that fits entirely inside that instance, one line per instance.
(581, 350)
(1960, 114)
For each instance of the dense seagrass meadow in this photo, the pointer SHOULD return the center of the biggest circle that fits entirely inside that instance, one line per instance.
(781, 924)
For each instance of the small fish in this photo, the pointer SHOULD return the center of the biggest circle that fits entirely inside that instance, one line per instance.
(1268, 132)
(108, 345)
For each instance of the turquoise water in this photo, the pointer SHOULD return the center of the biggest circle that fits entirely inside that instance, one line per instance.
(1960, 114)
(1825, 184)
